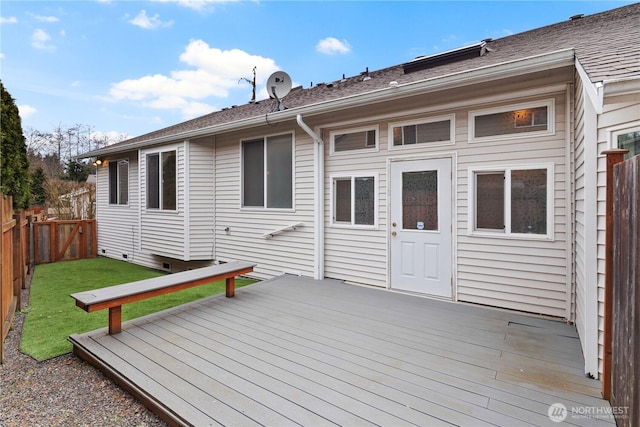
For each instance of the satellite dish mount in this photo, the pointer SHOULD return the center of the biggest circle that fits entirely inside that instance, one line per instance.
(278, 86)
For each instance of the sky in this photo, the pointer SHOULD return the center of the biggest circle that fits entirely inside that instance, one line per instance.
(126, 68)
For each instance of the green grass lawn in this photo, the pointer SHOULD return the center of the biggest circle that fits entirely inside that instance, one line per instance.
(52, 314)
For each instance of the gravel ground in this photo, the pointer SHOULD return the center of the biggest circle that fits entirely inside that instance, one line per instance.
(64, 391)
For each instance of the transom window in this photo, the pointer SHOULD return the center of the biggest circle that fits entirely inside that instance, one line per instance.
(521, 120)
(436, 131)
(267, 172)
(354, 139)
(354, 200)
(161, 180)
(514, 201)
(119, 182)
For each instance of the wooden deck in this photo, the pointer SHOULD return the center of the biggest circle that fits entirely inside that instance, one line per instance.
(297, 351)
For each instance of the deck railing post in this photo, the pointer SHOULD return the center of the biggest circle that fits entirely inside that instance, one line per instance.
(614, 157)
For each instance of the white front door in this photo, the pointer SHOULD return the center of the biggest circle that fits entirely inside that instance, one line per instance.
(420, 228)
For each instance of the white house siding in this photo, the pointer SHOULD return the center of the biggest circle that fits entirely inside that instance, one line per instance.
(200, 222)
(579, 252)
(616, 114)
(163, 232)
(118, 224)
(517, 273)
(353, 253)
(288, 252)
(524, 274)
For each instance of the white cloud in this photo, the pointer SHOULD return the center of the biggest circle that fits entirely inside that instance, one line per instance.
(1, 55)
(212, 73)
(200, 5)
(41, 18)
(39, 40)
(75, 83)
(10, 20)
(26, 111)
(149, 22)
(333, 46)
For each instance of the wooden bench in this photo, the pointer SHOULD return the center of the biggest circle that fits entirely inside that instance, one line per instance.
(113, 297)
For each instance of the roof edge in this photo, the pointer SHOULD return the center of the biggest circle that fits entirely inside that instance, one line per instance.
(556, 59)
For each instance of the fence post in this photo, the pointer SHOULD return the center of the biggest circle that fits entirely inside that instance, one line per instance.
(18, 261)
(614, 157)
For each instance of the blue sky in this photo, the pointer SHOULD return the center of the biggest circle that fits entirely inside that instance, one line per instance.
(131, 67)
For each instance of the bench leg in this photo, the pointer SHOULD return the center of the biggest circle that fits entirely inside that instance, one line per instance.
(231, 287)
(115, 320)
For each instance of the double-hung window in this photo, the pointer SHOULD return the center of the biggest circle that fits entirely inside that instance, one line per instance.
(161, 180)
(267, 172)
(512, 201)
(354, 200)
(119, 182)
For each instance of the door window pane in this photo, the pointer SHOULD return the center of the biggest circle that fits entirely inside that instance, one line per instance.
(420, 200)
(490, 201)
(529, 201)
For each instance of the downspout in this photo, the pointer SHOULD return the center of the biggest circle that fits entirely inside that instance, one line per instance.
(318, 189)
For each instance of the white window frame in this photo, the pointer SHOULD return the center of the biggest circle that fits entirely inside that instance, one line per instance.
(506, 233)
(452, 132)
(160, 184)
(551, 119)
(352, 177)
(293, 174)
(616, 131)
(332, 136)
(117, 189)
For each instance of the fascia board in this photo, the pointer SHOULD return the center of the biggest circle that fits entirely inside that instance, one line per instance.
(527, 65)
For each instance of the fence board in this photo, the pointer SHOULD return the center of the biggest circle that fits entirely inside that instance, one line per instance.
(625, 393)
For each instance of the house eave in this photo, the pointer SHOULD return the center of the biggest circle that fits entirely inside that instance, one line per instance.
(551, 60)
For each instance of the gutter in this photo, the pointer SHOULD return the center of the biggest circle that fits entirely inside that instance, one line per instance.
(318, 197)
(530, 64)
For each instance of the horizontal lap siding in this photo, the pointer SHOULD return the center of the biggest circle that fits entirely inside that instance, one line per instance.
(618, 115)
(516, 273)
(580, 246)
(117, 224)
(354, 254)
(201, 200)
(163, 233)
(288, 252)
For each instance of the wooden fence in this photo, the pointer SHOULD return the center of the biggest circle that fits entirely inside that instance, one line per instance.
(26, 242)
(64, 240)
(14, 252)
(625, 372)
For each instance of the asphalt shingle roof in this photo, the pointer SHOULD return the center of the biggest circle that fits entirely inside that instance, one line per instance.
(607, 45)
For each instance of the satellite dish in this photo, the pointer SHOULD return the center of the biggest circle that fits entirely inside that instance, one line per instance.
(278, 85)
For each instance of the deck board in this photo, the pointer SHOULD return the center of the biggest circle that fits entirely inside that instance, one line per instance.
(294, 351)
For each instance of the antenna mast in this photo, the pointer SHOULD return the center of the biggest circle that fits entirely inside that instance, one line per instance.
(253, 85)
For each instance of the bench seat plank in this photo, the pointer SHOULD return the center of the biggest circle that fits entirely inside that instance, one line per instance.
(113, 297)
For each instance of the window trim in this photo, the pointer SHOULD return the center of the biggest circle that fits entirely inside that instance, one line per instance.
(332, 135)
(117, 163)
(264, 208)
(433, 119)
(551, 120)
(616, 131)
(159, 153)
(507, 234)
(376, 201)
